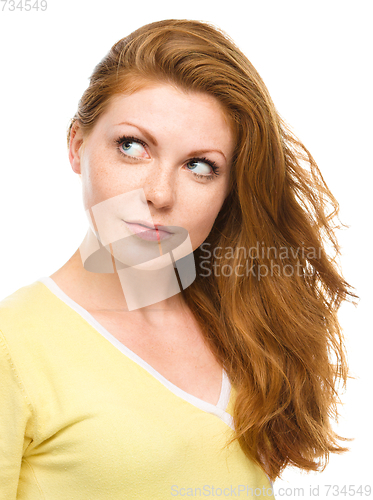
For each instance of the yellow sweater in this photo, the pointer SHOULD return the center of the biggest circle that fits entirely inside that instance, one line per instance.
(82, 417)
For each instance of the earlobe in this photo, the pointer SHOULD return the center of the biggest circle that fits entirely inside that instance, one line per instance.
(76, 142)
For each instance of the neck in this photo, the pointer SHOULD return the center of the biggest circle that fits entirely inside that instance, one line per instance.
(104, 293)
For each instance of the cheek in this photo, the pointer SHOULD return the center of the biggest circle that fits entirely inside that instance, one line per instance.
(200, 219)
(97, 182)
(93, 191)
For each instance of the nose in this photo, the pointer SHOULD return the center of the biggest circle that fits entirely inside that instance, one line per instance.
(159, 187)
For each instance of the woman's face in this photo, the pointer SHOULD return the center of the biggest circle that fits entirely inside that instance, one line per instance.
(166, 142)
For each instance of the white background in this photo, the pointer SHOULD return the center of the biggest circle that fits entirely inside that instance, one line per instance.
(315, 58)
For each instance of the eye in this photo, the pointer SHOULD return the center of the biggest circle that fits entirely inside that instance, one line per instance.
(130, 146)
(203, 171)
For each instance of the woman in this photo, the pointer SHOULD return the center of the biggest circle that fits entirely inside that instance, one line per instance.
(130, 373)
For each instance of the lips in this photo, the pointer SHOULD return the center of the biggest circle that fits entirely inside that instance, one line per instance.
(150, 225)
(147, 232)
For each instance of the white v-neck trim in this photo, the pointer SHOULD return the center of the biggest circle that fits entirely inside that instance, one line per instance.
(218, 409)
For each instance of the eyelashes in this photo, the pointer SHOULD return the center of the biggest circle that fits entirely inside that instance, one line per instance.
(130, 139)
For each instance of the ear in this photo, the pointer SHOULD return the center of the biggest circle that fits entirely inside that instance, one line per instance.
(75, 148)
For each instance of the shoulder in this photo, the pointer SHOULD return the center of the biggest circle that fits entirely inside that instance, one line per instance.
(18, 306)
(41, 333)
(20, 313)
(31, 320)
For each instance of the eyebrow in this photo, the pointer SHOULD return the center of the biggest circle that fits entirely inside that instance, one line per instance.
(153, 140)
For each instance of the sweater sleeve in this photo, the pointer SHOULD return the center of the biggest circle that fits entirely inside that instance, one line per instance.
(15, 417)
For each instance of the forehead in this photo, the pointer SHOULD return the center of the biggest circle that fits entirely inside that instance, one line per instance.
(167, 105)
